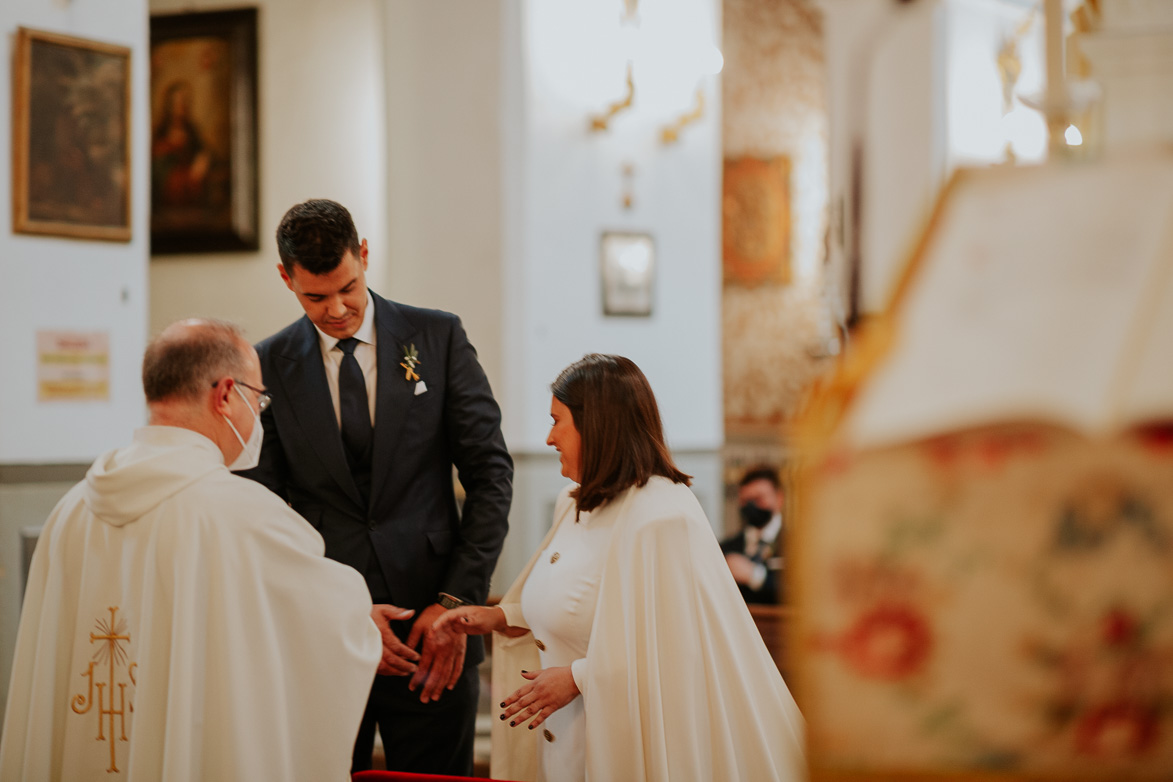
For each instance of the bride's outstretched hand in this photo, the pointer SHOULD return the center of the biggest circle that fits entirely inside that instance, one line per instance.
(549, 690)
(471, 620)
(476, 620)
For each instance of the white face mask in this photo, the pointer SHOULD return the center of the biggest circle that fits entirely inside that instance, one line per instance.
(250, 453)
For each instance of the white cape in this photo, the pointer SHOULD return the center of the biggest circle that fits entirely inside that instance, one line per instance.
(180, 624)
(679, 685)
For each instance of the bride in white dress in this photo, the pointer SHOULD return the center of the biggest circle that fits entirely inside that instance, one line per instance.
(624, 650)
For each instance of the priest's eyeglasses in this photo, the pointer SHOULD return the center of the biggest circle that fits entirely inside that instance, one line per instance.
(263, 399)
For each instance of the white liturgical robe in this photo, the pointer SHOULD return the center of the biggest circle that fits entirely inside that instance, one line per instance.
(180, 624)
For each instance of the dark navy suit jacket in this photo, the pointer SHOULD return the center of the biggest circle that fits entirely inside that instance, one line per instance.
(769, 592)
(424, 545)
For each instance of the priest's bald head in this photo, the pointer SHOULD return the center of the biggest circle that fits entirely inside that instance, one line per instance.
(203, 375)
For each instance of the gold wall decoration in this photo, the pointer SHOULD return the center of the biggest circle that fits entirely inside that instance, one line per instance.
(599, 122)
(670, 134)
(755, 217)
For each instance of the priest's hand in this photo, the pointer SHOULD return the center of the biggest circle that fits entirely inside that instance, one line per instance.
(399, 659)
(550, 689)
(441, 657)
(476, 620)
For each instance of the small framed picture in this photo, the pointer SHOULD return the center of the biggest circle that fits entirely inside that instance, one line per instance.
(204, 132)
(755, 221)
(71, 137)
(628, 264)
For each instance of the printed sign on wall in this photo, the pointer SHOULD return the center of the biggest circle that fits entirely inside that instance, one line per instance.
(73, 366)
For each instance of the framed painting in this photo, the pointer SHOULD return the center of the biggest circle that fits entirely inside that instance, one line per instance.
(628, 262)
(71, 137)
(204, 132)
(755, 221)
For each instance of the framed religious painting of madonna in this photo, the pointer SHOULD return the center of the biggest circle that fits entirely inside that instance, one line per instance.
(203, 143)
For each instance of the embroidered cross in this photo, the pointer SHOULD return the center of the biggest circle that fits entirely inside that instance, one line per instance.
(110, 637)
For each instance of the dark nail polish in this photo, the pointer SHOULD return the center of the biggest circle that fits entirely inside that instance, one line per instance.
(525, 671)
(513, 724)
(502, 717)
(531, 727)
(502, 704)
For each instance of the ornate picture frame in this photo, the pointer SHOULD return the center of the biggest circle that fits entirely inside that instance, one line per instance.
(755, 221)
(71, 134)
(203, 147)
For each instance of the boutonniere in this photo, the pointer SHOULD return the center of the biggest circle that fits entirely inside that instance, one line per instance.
(411, 358)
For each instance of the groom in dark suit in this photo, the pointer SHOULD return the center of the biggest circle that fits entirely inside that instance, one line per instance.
(374, 403)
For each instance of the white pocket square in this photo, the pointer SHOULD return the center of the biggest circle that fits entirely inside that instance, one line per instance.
(420, 387)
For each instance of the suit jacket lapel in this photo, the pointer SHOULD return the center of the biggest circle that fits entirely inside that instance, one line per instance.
(303, 375)
(394, 393)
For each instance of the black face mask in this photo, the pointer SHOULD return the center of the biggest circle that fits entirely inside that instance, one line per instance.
(754, 516)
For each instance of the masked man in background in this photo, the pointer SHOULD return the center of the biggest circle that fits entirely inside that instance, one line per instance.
(755, 554)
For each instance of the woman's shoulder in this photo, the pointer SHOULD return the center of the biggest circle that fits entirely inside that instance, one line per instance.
(662, 499)
(660, 487)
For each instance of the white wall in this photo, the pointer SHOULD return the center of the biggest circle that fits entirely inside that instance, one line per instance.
(920, 82)
(444, 149)
(322, 128)
(69, 284)
(885, 82)
(497, 195)
(52, 283)
(565, 184)
(480, 135)
(562, 188)
(977, 131)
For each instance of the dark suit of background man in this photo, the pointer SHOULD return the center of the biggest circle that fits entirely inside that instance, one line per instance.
(382, 494)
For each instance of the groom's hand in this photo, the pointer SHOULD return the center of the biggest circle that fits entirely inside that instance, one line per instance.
(441, 658)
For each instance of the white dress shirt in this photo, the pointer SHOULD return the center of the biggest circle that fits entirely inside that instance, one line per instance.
(753, 538)
(364, 354)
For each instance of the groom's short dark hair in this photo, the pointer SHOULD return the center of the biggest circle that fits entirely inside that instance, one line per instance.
(315, 235)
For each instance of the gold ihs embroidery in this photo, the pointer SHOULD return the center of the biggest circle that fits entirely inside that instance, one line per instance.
(111, 637)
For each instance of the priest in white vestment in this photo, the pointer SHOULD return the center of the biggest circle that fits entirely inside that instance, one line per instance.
(181, 623)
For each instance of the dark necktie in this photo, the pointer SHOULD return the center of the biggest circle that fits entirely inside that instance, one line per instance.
(353, 406)
(761, 551)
